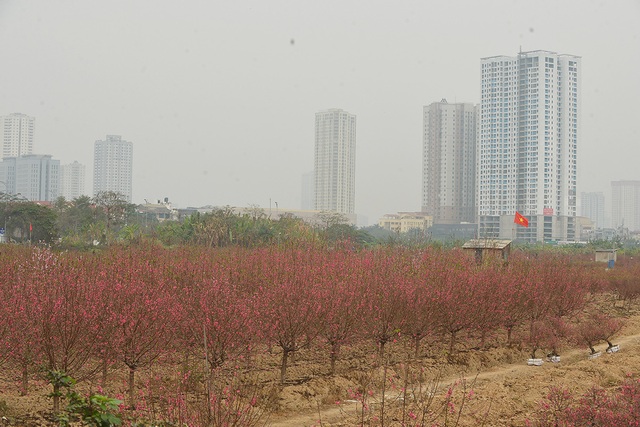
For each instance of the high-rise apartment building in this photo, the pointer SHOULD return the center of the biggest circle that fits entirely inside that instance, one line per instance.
(448, 162)
(17, 134)
(72, 180)
(34, 177)
(625, 205)
(113, 166)
(592, 207)
(527, 145)
(335, 161)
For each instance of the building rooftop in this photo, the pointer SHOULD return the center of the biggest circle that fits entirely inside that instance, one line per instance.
(486, 244)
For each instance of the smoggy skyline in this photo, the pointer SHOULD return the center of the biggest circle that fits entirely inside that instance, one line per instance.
(219, 98)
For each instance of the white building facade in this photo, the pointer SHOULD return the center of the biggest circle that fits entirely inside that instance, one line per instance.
(528, 137)
(625, 205)
(72, 180)
(448, 162)
(592, 207)
(17, 134)
(113, 166)
(34, 177)
(335, 161)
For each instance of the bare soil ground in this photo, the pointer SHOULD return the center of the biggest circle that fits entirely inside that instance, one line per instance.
(506, 392)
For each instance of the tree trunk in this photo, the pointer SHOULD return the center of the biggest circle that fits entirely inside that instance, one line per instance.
(283, 367)
(483, 338)
(416, 344)
(56, 398)
(25, 379)
(185, 361)
(405, 383)
(384, 389)
(105, 371)
(335, 349)
(381, 343)
(249, 356)
(452, 342)
(132, 383)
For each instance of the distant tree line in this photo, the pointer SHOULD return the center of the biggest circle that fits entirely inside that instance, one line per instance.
(106, 219)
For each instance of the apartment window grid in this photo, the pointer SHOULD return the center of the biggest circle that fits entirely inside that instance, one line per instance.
(531, 91)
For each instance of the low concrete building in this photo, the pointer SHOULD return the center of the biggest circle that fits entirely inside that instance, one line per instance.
(405, 221)
(610, 256)
(161, 211)
(483, 248)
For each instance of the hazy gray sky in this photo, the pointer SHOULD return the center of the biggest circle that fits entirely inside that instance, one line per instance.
(219, 98)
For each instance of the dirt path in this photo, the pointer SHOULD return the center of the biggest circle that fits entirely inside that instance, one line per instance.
(520, 372)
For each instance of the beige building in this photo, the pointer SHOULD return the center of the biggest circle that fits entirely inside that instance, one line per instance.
(405, 221)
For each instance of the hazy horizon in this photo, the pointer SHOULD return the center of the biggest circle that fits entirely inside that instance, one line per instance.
(219, 98)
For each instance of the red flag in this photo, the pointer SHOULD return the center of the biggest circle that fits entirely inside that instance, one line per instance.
(519, 219)
(30, 227)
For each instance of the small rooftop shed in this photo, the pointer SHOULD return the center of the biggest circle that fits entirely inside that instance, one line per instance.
(483, 248)
(610, 256)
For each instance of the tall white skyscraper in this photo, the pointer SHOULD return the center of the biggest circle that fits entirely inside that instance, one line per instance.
(448, 162)
(113, 166)
(335, 161)
(528, 141)
(625, 204)
(17, 134)
(592, 207)
(72, 180)
(33, 176)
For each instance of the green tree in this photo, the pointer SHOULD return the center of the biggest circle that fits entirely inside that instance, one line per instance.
(113, 210)
(327, 219)
(335, 227)
(173, 233)
(214, 229)
(95, 410)
(131, 233)
(379, 234)
(74, 220)
(26, 221)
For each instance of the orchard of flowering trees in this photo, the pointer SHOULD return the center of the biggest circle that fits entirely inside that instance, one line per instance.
(129, 312)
